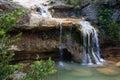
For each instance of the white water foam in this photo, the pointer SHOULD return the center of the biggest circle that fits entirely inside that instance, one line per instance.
(44, 12)
(91, 49)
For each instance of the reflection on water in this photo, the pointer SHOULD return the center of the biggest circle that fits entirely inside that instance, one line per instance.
(74, 71)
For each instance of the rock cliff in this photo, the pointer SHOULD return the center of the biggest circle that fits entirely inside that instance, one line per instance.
(41, 34)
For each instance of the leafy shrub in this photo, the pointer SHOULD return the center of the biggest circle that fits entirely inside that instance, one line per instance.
(39, 69)
(7, 22)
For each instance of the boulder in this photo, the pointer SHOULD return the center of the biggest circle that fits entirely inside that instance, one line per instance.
(60, 5)
(90, 12)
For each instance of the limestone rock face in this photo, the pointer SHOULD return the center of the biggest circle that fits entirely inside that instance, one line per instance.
(33, 19)
(43, 43)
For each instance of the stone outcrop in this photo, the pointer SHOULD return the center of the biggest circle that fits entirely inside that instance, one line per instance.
(60, 5)
(111, 53)
(88, 9)
(111, 50)
(90, 12)
(41, 34)
(43, 43)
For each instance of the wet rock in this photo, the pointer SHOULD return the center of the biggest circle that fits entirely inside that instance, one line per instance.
(60, 5)
(107, 71)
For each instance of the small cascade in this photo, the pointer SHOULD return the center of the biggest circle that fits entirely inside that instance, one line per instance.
(91, 49)
(60, 46)
(60, 43)
(44, 12)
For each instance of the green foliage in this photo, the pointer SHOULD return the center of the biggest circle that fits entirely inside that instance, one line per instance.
(113, 30)
(7, 22)
(39, 69)
(108, 26)
(104, 15)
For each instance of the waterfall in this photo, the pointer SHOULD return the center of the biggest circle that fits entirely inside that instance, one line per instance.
(60, 43)
(61, 46)
(44, 12)
(91, 49)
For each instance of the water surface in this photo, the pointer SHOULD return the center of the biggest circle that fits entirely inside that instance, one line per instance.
(74, 71)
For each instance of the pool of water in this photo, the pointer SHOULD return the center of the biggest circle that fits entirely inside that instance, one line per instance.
(74, 71)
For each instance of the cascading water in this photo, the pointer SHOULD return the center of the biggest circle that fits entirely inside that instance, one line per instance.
(60, 43)
(44, 12)
(91, 49)
(60, 46)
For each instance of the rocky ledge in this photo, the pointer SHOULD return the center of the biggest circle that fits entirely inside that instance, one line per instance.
(41, 34)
